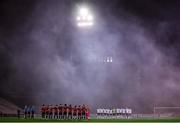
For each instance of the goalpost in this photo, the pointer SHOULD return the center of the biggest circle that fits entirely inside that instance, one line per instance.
(166, 112)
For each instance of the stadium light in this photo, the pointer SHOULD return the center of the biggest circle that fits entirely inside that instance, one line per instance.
(84, 18)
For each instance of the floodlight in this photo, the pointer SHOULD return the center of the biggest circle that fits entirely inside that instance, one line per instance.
(84, 18)
(81, 24)
(90, 17)
(111, 60)
(83, 11)
(78, 18)
(108, 59)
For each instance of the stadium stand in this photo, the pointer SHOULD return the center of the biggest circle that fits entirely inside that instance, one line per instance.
(7, 108)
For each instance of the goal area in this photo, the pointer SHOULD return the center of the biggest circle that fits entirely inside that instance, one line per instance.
(163, 112)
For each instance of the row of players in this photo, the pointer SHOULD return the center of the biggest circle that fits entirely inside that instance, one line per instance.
(65, 112)
(29, 111)
(125, 111)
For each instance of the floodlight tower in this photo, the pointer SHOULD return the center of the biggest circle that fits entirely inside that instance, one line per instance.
(84, 17)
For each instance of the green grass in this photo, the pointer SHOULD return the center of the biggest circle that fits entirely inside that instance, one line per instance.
(14, 119)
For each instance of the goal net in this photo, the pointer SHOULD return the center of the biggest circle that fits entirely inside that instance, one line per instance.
(166, 112)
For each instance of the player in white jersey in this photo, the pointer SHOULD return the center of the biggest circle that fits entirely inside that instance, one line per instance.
(106, 113)
(98, 113)
(110, 113)
(118, 112)
(101, 113)
(128, 112)
(114, 112)
(123, 112)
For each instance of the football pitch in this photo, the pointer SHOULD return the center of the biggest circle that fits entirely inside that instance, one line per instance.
(16, 120)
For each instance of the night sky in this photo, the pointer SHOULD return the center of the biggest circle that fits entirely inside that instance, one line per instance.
(46, 58)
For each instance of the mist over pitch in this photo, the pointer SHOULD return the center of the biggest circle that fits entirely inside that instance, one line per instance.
(58, 63)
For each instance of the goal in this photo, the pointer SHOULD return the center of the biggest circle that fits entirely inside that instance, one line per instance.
(162, 112)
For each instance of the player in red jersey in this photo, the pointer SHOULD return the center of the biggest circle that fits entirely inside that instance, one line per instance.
(51, 112)
(67, 117)
(70, 112)
(79, 112)
(87, 112)
(43, 111)
(75, 112)
(56, 112)
(83, 112)
(47, 111)
(65, 111)
(60, 111)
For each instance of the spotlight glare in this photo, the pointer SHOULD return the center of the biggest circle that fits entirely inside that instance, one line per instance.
(83, 11)
(84, 18)
(78, 18)
(90, 17)
(85, 24)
